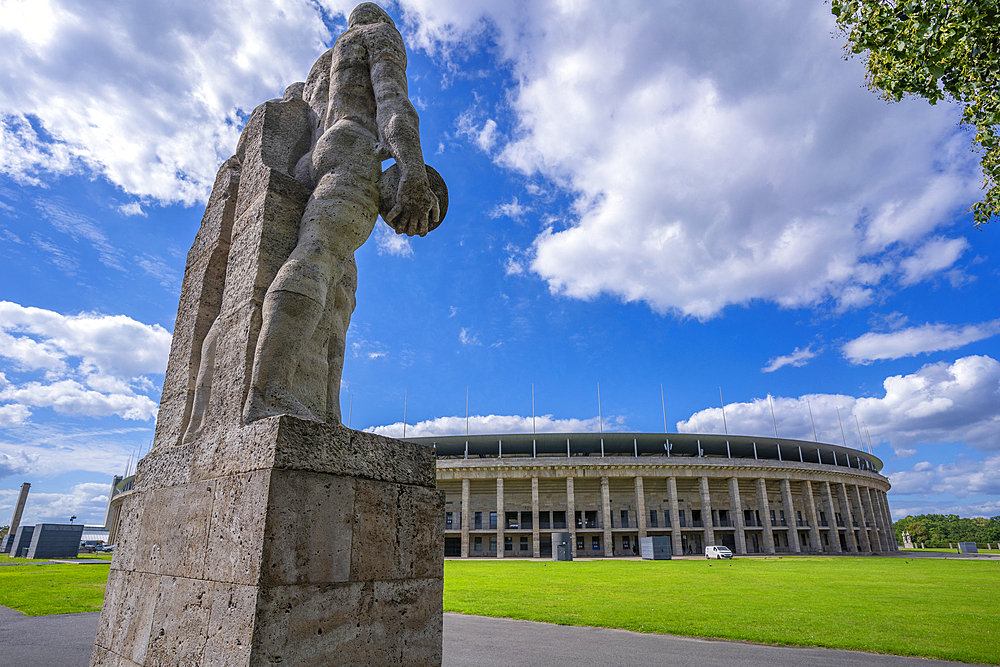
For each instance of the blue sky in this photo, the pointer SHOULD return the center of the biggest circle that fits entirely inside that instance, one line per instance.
(692, 195)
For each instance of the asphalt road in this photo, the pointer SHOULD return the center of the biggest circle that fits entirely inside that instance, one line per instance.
(66, 640)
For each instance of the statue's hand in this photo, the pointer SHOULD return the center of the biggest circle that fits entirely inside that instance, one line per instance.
(416, 207)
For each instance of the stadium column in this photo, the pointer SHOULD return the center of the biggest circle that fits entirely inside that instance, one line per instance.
(500, 518)
(706, 511)
(675, 517)
(536, 547)
(571, 513)
(764, 507)
(866, 544)
(876, 521)
(848, 516)
(736, 507)
(466, 516)
(640, 507)
(793, 529)
(609, 545)
(834, 534)
(811, 514)
(890, 531)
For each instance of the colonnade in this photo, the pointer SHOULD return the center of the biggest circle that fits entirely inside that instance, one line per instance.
(848, 506)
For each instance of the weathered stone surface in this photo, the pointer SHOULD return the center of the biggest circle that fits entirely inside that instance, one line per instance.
(371, 623)
(316, 551)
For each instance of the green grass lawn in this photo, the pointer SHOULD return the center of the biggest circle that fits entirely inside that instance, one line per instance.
(931, 608)
(38, 589)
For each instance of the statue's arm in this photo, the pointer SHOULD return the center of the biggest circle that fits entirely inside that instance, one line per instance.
(398, 124)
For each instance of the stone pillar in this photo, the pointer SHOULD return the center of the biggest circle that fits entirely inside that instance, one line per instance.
(675, 516)
(793, 529)
(813, 517)
(845, 512)
(15, 520)
(834, 533)
(609, 545)
(536, 547)
(883, 501)
(876, 521)
(501, 519)
(706, 511)
(865, 545)
(466, 516)
(571, 513)
(283, 541)
(764, 507)
(736, 507)
(640, 507)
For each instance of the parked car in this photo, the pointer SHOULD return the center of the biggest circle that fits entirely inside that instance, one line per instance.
(718, 552)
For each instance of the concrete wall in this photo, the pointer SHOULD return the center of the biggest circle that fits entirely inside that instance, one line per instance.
(55, 540)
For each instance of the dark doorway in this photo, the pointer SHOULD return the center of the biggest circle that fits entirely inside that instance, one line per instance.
(545, 545)
(729, 541)
(453, 546)
(843, 542)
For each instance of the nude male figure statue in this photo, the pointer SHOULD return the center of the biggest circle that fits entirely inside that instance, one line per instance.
(368, 118)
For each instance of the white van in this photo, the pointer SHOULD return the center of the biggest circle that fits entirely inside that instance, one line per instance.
(718, 552)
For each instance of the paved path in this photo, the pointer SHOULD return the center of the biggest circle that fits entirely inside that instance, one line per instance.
(65, 640)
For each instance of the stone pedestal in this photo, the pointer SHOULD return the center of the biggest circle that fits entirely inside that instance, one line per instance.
(283, 542)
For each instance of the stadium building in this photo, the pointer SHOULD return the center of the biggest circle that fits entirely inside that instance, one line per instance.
(507, 494)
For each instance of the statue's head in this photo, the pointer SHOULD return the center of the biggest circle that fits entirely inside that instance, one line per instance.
(368, 13)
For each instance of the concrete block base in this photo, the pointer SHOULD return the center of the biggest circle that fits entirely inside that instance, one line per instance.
(313, 545)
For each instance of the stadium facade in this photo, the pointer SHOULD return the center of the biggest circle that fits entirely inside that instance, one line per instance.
(506, 495)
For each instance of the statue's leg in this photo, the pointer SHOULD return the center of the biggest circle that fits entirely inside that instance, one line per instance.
(203, 385)
(344, 302)
(331, 230)
(339, 217)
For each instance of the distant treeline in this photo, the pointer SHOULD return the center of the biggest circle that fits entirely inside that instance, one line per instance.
(936, 528)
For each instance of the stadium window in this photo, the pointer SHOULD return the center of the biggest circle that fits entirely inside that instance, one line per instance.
(624, 518)
(493, 519)
(579, 542)
(448, 520)
(524, 543)
(493, 544)
(479, 520)
(625, 543)
(508, 543)
(652, 518)
(543, 520)
(595, 543)
(478, 544)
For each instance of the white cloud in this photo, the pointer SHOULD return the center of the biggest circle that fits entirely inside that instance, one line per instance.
(87, 502)
(466, 337)
(156, 107)
(961, 478)
(13, 414)
(92, 365)
(132, 208)
(933, 257)
(512, 209)
(797, 359)
(912, 341)
(71, 398)
(484, 424)
(938, 404)
(484, 137)
(388, 242)
(718, 153)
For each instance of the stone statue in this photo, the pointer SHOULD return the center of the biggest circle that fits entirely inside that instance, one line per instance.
(259, 529)
(330, 134)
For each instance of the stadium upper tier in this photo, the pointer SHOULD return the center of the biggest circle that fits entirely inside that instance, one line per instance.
(648, 444)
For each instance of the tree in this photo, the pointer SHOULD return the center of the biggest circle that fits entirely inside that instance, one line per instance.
(936, 49)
